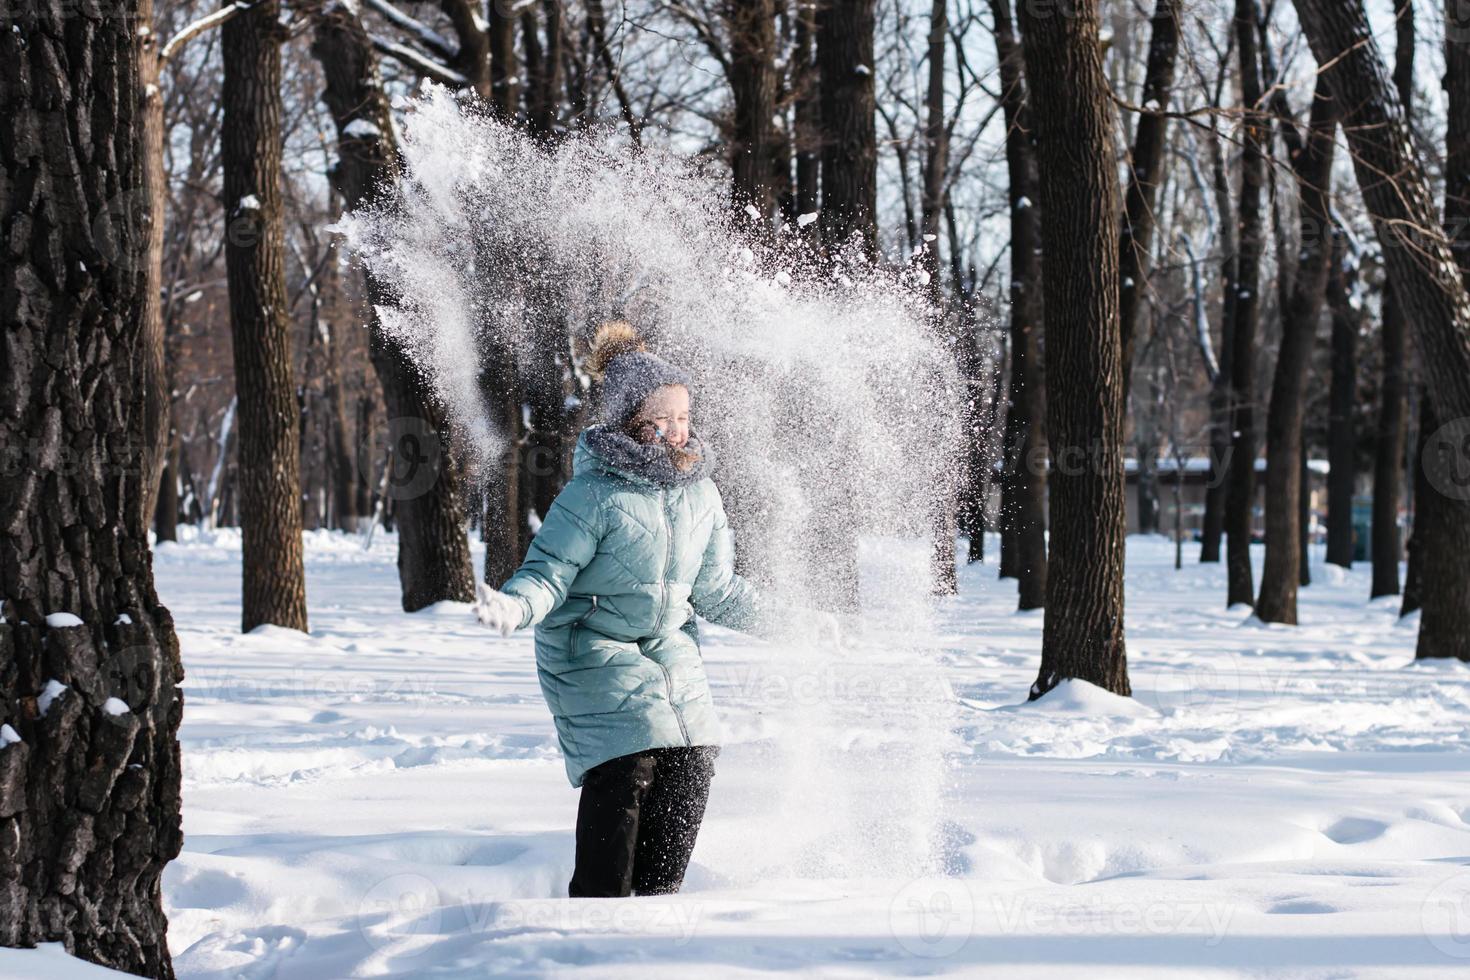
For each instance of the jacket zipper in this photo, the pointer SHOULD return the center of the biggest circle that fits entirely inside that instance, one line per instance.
(663, 596)
(576, 624)
(663, 602)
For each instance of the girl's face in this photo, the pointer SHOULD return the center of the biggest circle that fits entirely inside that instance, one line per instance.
(667, 409)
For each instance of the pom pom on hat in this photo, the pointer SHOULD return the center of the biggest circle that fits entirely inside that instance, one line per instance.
(628, 370)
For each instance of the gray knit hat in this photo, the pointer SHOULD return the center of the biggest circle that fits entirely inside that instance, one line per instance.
(629, 371)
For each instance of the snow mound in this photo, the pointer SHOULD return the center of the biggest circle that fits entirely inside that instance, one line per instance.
(61, 620)
(1074, 697)
(448, 609)
(50, 961)
(270, 631)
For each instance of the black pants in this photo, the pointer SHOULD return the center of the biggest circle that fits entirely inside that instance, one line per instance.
(637, 821)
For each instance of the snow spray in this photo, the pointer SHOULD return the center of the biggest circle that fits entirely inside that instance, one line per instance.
(824, 386)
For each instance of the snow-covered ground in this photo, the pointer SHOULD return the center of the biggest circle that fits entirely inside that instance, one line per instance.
(385, 796)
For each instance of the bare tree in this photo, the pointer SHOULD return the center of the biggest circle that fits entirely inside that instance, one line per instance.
(1342, 437)
(1240, 495)
(849, 135)
(1311, 163)
(1083, 633)
(1433, 561)
(89, 798)
(1393, 417)
(1420, 265)
(752, 75)
(433, 550)
(269, 479)
(1023, 486)
(1144, 173)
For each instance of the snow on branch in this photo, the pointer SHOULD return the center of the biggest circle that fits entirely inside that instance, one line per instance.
(193, 30)
(419, 62)
(437, 43)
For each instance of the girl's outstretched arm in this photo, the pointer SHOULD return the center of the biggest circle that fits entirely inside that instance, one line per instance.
(564, 545)
(723, 597)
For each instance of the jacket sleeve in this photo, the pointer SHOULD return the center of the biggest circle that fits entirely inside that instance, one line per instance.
(723, 597)
(562, 547)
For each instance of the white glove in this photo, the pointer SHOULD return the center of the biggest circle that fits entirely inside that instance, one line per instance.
(497, 610)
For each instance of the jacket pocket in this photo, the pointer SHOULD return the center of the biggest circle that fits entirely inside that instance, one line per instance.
(576, 628)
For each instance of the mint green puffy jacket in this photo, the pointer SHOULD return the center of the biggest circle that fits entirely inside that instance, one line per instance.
(612, 582)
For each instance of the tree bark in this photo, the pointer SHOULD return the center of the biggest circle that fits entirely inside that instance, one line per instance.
(89, 799)
(1023, 480)
(504, 529)
(1436, 563)
(270, 463)
(1420, 265)
(1311, 161)
(1082, 636)
(543, 69)
(471, 31)
(806, 118)
(505, 86)
(1240, 496)
(752, 75)
(433, 550)
(849, 135)
(1426, 530)
(936, 149)
(1393, 416)
(1146, 165)
(1216, 492)
(1342, 435)
(151, 205)
(166, 508)
(949, 487)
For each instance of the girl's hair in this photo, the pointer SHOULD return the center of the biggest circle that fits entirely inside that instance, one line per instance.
(682, 457)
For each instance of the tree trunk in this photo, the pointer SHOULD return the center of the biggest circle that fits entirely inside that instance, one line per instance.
(504, 528)
(936, 149)
(1421, 268)
(433, 551)
(1213, 527)
(151, 206)
(1342, 435)
(806, 117)
(166, 509)
(1311, 161)
(1144, 173)
(952, 480)
(505, 87)
(1393, 416)
(1240, 496)
(1023, 487)
(981, 402)
(89, 798)
(472, 32)
(1304, 523)
(1425, 531)
(1083, 633)
(752, 73)
(543, 69)
(1435, 564)
(270, 464)
(849, 134)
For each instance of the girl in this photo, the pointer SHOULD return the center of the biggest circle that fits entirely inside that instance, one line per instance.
(634, 546)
